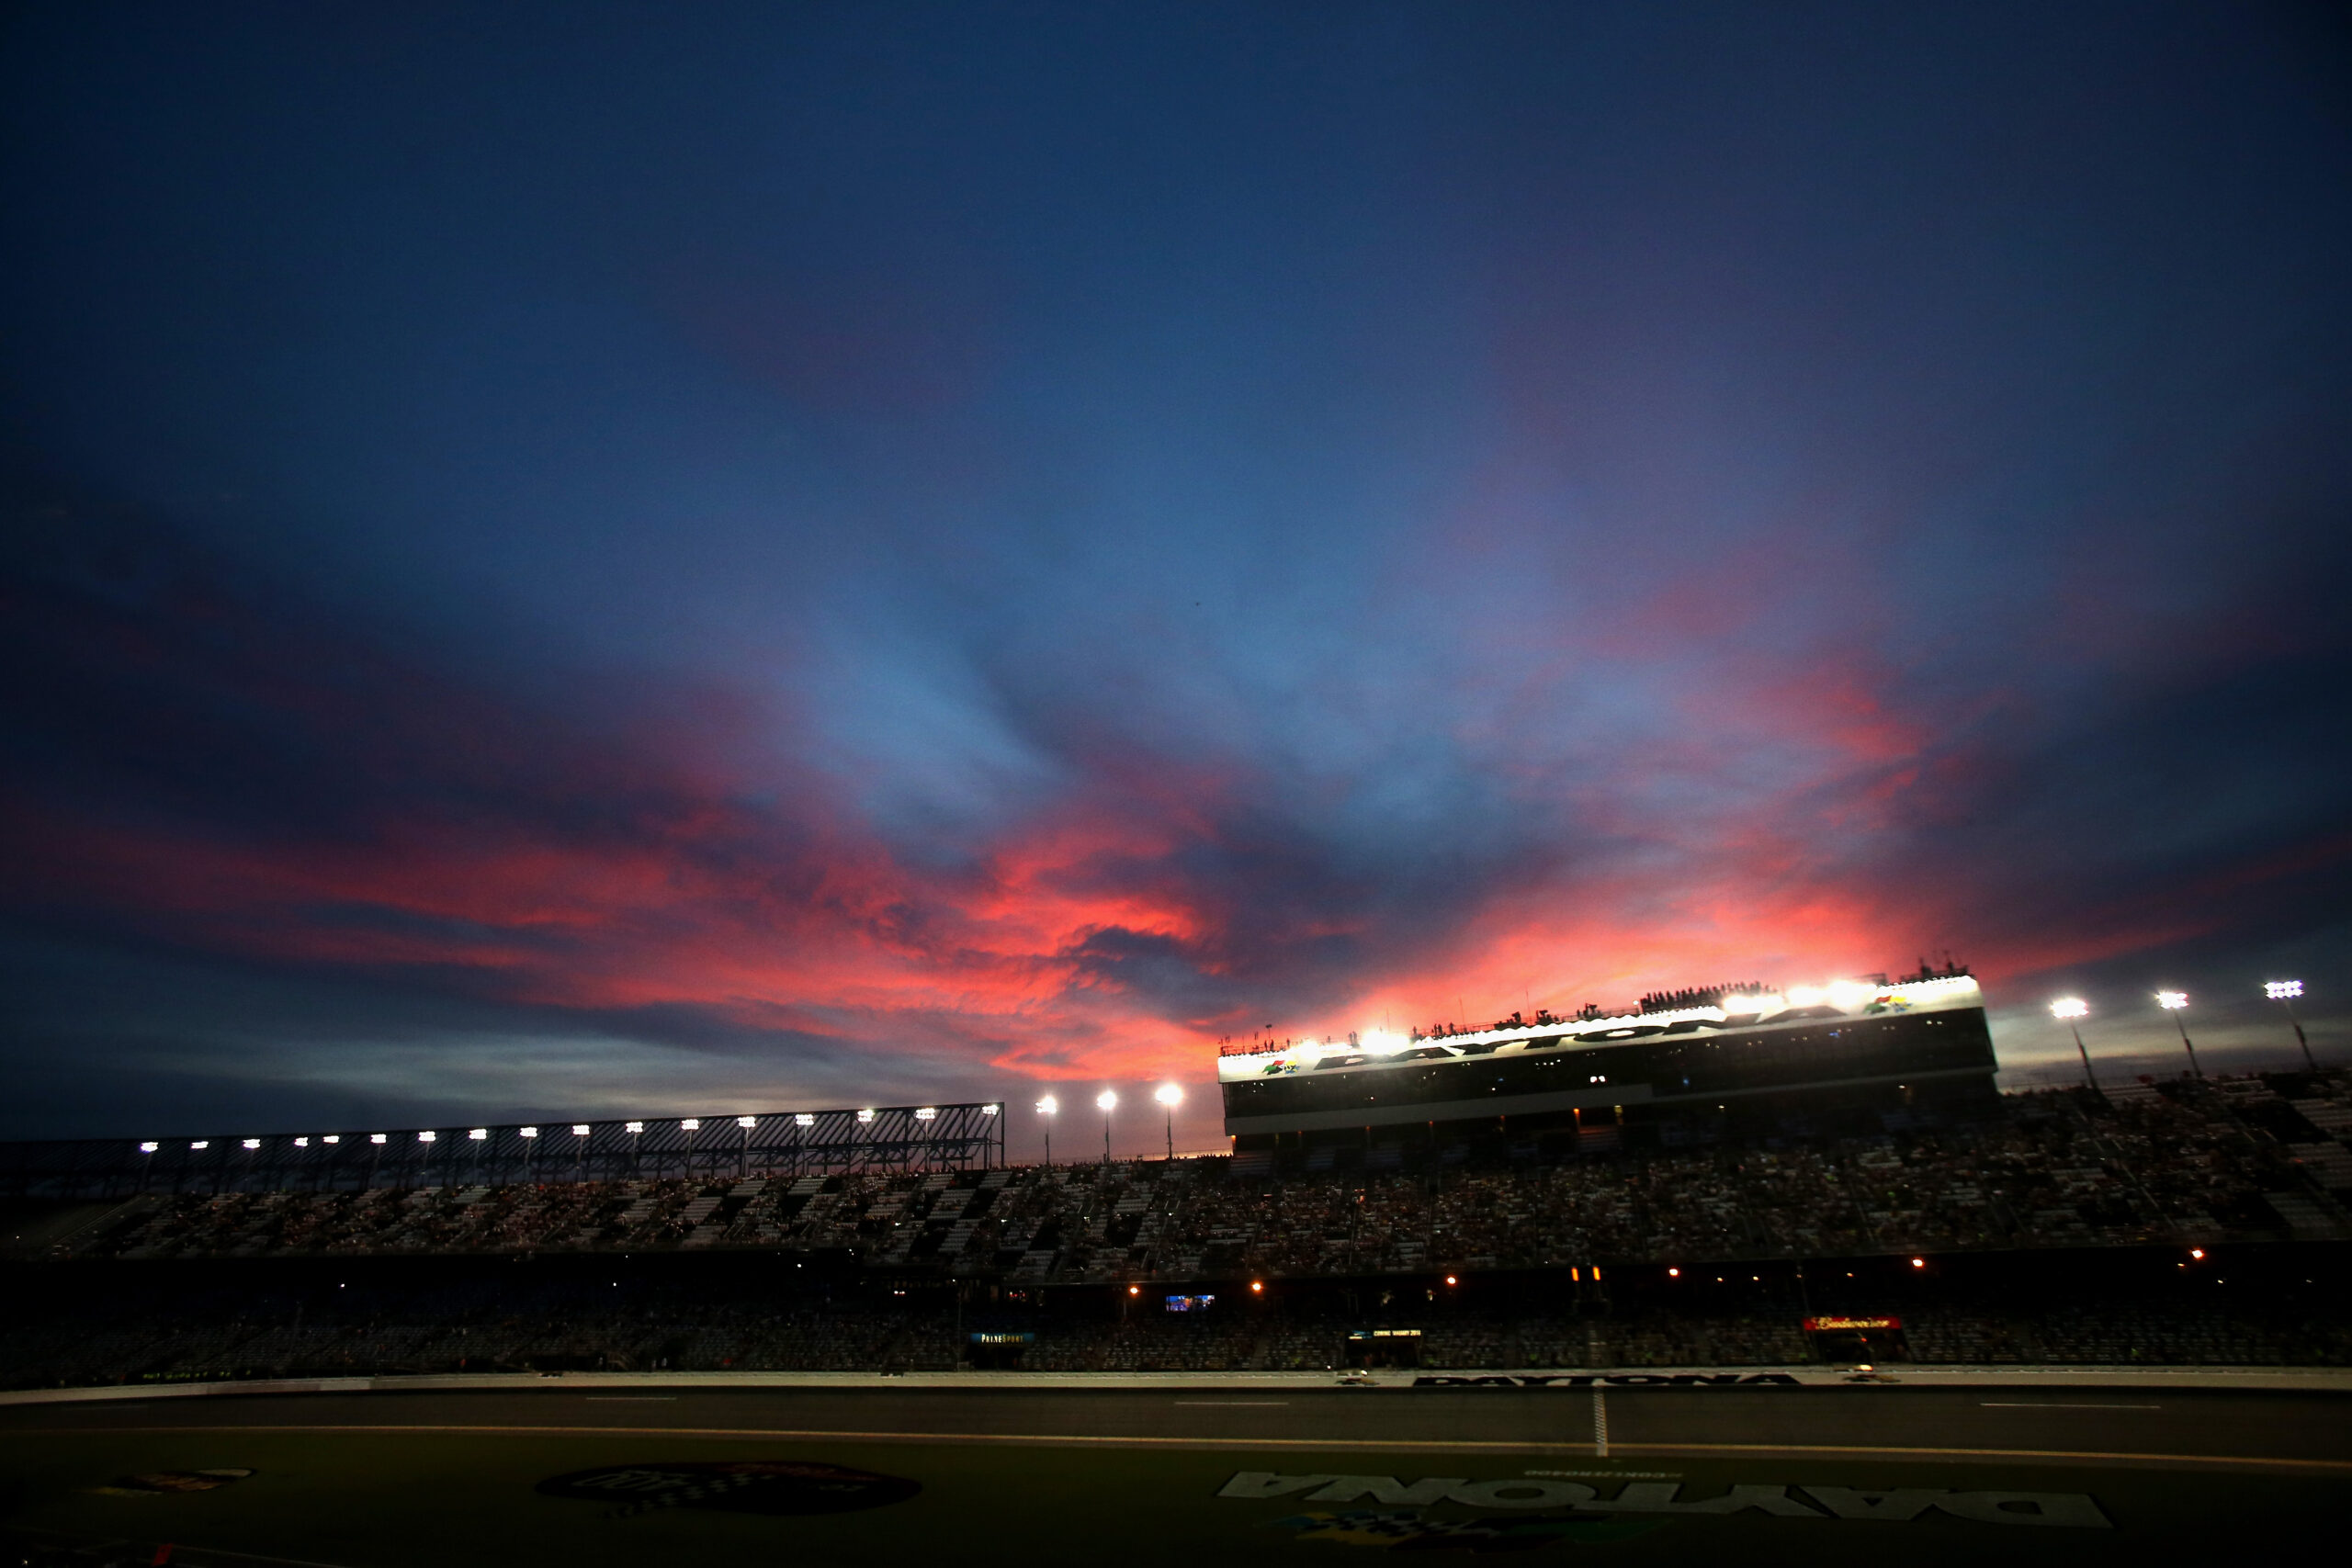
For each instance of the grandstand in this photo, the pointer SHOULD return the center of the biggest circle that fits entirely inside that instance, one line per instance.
(1485, 1249)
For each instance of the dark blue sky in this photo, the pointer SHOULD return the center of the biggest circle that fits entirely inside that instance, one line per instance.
(593, 557)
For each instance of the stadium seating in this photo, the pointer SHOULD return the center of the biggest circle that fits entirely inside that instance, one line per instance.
(2187, 1162)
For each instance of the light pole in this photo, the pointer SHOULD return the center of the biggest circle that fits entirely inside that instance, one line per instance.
(2172, 1002)
(2284, 993)
(1107, 1100)
(1045, 1108)
(1168, 1094)
(2072, 1009)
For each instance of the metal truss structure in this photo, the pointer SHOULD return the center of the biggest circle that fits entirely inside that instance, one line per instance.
(805, 1143)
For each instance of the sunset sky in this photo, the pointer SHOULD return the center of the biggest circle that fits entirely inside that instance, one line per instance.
(596, 559)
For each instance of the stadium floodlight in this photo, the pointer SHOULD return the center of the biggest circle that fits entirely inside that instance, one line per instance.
(526, 1132)
(691, 1124)
(2071, 1011)
(378, 1137)
(1806, 996)
(747, 1123)
(1106, 1102)
(478, 1133)
(201, 1144)
(253, 1142)
(926, 1112)
(988, 1109)
(580, 1129)
(146, 1148)
(332, 1138)
(1847, 994)
(633, 1128)
(1168, 1096)
(863, 1116)
(425, 1137)
(2173, 1002)
(2284, 993)
(301, 1143)
(1045, 1108)
(803, 1118)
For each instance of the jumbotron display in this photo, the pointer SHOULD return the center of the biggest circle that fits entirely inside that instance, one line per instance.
(1854, 1043)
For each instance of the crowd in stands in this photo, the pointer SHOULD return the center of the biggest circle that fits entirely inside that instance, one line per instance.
(2184, 1161)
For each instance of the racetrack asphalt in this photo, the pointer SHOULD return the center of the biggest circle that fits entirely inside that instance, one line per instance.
(2285, 1433)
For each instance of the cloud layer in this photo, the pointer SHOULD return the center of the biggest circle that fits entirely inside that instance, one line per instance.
(820, 562)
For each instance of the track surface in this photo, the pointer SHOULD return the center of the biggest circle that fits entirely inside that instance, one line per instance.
(1046, 1476)
(2289, 1432)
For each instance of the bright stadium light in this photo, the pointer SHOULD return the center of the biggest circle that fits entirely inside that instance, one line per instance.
(1380, 1043)
(1168, 1096)
(865, 1116)
(691, 1124)
(580, 1129)
(332, 1138)
(1107, 1101)
(988, 1109)
(1806, 996)
(253, 1142)
(1045, 1108)
(146, 1148)
(478, 1133)
(926, 1112)
(747, 1123)
(301, 1143)
(633, 1128)
(424, 1137)
(803, 1118)
(2284, 993)
(378, 1137)
(2173, 1002)
(201, 1144)
(2071, 1011)
(1847, 995)
(526, 1132)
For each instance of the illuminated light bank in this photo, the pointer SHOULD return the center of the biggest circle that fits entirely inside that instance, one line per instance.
(1859, 1047)
(1763, 1010)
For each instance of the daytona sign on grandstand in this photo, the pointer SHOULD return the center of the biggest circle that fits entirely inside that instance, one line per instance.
(1610, 1380)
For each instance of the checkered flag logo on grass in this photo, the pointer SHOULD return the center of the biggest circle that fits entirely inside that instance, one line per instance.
(740, 1486)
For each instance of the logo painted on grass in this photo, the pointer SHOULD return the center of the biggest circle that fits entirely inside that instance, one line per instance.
(1408, 1531)
(735, 1486)
(1898, 1504)
(160, 1483)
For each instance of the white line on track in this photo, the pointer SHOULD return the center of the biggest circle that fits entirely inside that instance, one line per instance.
(632, 1399)
(1244, 1404)
(1325, 1444)
(2053, 1405)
